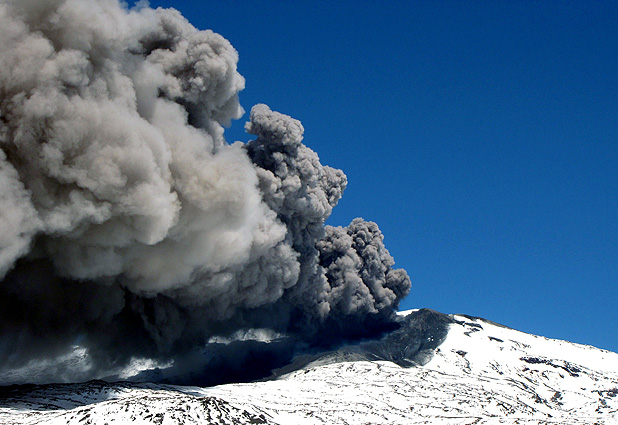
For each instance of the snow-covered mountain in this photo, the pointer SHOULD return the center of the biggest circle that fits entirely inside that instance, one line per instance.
(437, 368)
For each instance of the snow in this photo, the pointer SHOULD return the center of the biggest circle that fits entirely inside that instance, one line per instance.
(476, 374)
(482, 373)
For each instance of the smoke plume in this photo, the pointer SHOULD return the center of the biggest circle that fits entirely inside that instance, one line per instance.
(129, 227)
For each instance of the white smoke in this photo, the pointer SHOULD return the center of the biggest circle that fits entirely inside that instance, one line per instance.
(128, 222)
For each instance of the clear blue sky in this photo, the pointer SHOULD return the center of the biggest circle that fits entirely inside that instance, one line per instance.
(480, 136)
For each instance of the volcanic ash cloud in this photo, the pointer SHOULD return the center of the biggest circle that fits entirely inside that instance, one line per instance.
(130, 227)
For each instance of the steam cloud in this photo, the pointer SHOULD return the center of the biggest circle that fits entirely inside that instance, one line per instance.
(129, 226)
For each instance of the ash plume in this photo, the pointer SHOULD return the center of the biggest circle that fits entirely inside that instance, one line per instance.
(129, 227)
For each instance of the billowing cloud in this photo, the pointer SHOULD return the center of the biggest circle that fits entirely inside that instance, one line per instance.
(130, 227)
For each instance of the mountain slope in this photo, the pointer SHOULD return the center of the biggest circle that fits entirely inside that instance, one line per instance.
(481, 373)
(448, 369)
(98, 402)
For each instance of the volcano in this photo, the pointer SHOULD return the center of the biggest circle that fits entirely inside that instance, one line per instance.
(435, 368)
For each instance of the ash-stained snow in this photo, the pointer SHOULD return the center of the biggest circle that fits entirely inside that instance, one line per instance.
(447, 369)
(101, 403)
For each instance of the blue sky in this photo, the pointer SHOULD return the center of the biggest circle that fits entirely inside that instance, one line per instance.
(480, 136)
